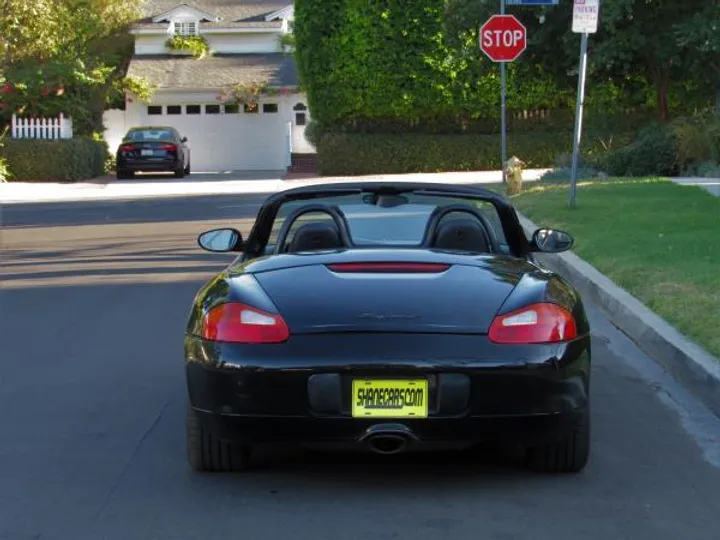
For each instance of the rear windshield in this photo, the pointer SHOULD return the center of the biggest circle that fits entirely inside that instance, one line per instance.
(149, 135)
(373, 225)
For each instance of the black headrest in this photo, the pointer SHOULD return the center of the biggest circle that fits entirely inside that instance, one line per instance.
(316, 236)
(462, 234)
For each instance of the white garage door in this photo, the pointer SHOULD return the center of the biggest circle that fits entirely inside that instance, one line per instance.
(226, 141)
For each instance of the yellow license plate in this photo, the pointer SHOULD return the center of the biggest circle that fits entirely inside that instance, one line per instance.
(389, 398)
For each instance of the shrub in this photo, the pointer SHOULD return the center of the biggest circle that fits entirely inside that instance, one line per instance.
(4, 170)
(363, 153)
(692, 136)
(656, 152)
(708, 170)
(680, 146)
(70, 160)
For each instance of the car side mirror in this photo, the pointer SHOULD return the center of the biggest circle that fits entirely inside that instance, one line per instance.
(551, 241)
(184, 139)
(221, 240)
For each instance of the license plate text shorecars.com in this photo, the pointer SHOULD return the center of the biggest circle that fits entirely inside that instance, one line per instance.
(390, 399)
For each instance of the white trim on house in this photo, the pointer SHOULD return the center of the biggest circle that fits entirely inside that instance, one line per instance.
(237, 30)
(185, 12)
(287, 12)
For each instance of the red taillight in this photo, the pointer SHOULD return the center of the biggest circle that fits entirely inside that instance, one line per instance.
(127, 147)
(389, 267)
(169, 147)
(239, 323)
(537, 323)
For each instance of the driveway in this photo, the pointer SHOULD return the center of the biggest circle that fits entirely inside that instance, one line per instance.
(94, 301)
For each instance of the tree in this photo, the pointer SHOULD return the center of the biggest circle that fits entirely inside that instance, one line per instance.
(63, 56)
(636, 38)
(700, 36)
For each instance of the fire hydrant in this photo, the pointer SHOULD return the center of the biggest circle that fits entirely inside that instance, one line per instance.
(513, 173)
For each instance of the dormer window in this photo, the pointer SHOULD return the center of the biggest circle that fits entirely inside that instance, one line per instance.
(185, 28)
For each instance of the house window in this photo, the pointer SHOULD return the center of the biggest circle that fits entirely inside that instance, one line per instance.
(270, 107)
(300, 119)
(174, 109)
(185, 28)
(212, 109)
(251, 108)
(300, 107)
(192, 109)
(154, 110)
(233, 108)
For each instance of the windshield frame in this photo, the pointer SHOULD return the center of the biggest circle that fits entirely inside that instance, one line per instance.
(257, 242)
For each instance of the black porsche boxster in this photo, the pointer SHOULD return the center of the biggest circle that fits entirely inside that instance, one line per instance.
(388, 317)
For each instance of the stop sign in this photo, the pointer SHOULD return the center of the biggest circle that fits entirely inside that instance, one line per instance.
(503, 38)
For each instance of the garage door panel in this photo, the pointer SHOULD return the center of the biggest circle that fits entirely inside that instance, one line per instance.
(239, 141)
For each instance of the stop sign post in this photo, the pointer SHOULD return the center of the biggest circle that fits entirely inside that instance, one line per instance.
(503, 39)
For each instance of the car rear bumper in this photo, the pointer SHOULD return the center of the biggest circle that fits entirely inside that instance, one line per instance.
(306, 399)
(151, 164)
(426, 433)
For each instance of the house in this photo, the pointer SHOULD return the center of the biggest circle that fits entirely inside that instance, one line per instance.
(197, 53)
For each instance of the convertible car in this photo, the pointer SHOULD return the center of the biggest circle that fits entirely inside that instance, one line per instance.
(387, 317)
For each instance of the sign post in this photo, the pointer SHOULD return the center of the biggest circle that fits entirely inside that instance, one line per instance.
(503, 110)
(503, 39)
(586, 14)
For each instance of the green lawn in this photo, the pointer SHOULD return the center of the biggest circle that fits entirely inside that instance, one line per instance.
(658, 240)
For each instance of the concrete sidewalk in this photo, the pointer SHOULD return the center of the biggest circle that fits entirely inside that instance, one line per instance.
(712, 185)
(217, 184)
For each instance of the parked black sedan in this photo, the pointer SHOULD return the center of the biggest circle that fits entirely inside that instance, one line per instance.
(388, 317)
(152, 149)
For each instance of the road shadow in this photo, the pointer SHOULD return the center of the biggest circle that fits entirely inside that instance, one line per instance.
(229, 207)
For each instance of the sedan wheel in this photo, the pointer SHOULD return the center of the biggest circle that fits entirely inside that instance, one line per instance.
(206, 453)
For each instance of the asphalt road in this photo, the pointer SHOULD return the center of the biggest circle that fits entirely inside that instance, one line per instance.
(93, 302)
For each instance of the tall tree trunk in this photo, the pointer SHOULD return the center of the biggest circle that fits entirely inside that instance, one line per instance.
(661, 86)
(661, 80)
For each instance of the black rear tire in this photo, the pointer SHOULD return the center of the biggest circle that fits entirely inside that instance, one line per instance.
(206, 453)
(187, 169)
(569, 453)
(180, 173)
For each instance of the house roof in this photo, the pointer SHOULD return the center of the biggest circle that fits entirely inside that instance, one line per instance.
(232, 13)
(215, 72)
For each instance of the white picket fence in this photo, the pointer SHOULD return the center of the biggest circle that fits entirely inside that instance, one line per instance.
(41, 128)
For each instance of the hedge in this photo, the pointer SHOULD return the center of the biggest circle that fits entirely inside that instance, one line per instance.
(363, 154)
(68, 160)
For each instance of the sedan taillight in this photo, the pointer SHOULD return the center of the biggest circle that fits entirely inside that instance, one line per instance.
(239, 323)
(169, 147)
(537, 323)
(127, 147)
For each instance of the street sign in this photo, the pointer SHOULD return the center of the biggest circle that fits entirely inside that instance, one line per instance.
(586, 14)
(503, 38)
(532, 2)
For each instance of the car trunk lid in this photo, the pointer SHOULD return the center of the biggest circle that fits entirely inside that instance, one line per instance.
(374, 297)
(149, 149)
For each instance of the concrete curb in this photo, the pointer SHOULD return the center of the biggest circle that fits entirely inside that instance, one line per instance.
(690, 364)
